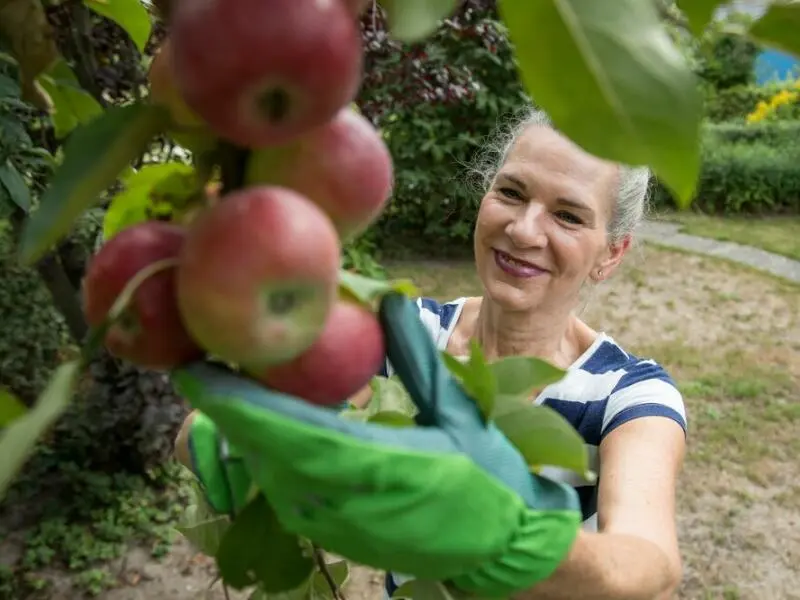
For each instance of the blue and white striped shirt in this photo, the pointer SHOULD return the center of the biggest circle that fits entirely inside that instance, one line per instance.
(603, 388)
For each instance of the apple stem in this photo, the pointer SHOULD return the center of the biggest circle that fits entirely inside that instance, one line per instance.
(323, 567)
(122, 303)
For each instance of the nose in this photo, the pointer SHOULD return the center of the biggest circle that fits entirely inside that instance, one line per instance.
(527, 228)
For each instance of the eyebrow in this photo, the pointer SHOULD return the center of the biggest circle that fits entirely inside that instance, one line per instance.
(577, 204)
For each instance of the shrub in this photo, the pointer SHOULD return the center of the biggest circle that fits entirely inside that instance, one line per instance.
(34, 333)
(752, 169)
(726, 58)
(777, 134)
(735, 103)
(434, 128)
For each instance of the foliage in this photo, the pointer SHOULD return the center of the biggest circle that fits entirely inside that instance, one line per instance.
(782, 105)
(751, 169)
(735, 103)
(78, 520)
(34, 333)
(725, 56)
(636, 107)
(777, 134)
(436, 102)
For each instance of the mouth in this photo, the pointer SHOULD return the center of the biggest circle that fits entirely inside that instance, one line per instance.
(516, 267)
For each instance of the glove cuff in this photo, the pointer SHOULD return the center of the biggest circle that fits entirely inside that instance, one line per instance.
(540, 544)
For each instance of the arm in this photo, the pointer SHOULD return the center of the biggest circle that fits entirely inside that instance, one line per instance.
(635, 553)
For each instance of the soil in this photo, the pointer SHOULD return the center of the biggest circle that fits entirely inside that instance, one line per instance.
(731, 338)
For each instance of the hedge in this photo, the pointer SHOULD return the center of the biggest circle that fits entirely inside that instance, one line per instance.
(749, 169)
(735, 103)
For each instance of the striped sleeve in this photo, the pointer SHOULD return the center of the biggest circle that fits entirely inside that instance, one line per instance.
(646, 390)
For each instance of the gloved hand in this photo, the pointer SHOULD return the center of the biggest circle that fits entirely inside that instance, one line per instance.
(451, 500)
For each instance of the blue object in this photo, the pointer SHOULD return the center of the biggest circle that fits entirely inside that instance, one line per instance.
(774, 66)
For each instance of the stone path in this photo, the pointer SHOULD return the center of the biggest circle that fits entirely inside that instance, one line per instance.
(668, 234)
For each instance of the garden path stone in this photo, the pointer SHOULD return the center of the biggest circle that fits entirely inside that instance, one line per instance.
(669, 234)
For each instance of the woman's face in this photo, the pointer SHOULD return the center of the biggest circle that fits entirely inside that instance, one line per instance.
(541, 228)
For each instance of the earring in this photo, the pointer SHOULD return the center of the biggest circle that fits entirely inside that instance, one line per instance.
(599, 273)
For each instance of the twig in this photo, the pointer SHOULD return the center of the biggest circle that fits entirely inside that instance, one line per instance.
(323, 567)
(225, 591)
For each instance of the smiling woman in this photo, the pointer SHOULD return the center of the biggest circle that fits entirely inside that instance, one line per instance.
(453, 500)
(553, 221)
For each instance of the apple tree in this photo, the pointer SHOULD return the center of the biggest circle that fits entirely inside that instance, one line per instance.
(610, 75)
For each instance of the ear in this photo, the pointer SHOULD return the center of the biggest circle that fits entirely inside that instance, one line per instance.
(610, 259)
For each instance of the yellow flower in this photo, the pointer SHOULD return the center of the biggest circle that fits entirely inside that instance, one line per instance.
(765, 109)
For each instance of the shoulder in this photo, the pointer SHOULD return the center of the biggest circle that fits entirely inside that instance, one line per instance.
(437, 316)
(610, 386)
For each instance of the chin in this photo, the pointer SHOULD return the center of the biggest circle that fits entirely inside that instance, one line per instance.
(512, 298)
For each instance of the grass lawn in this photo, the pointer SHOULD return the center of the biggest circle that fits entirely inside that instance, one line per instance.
(780, 235)
(731, 339)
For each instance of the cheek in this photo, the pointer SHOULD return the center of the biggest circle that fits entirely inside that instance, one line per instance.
(576, 251)
(491, 216)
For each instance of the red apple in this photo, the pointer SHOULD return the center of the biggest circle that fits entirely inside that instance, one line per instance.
(356, 7)
(151, 333)
(262, 72)
(188, 129)
(344, 166)
(346, 355)
(258, 276)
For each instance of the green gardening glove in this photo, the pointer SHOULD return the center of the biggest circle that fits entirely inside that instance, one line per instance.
(450, 500)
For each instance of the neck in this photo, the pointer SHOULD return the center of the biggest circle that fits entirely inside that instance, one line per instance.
(543, 334)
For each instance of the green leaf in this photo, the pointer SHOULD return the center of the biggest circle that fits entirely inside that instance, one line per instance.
(94, 156)
(256, 550)
(390, 395)
(204, 535)
(367, 291)
(423, 590)
(9, 87)
(134, 203)
(476, 377)
(413, 20)
(14, 187)
(72, 105)
(200, 525)
(13, 137)
(518, 377)
(613, 81)
(19, 439)
(541, 435)
(131, 15)
(698, 12)
(11, 408)
(392, 419)
(339, 572)
(779, 27)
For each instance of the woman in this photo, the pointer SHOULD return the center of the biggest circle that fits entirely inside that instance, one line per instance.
(554, 220)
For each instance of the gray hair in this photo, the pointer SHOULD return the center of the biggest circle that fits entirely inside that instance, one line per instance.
(633, 183)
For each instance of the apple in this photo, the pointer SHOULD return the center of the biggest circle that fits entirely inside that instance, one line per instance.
(357, 7)
(347, 354)
(258, 275)
(261, 72)
(188, 129)
(343, 166)
(150, 333)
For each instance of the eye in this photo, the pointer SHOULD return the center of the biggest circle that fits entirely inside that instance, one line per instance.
(510, 193)
(569, 217)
